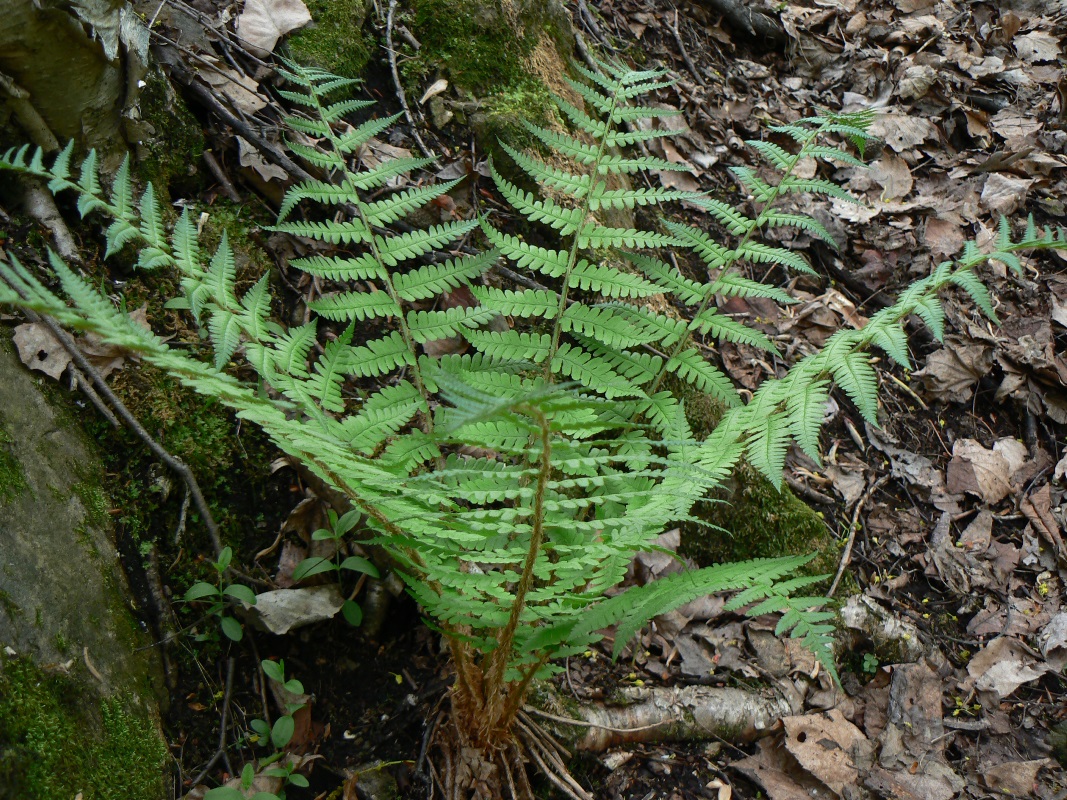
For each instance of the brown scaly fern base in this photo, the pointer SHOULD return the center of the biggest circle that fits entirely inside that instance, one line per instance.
(496, 768)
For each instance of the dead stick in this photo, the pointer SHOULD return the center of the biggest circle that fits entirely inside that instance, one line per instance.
(243, 128)
(846, 556)
(685, 53)
(220, 176)
(396, 82)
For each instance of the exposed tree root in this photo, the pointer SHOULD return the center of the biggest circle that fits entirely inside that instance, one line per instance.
(462, 771)
(677, 714)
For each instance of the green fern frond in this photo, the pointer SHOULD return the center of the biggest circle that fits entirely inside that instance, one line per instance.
(355, 306)
(434, 279)
(690, 365)
(609, 281)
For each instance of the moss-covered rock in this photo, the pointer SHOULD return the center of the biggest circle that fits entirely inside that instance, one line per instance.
(335, 39)
(168, 139)
(757, 520)
(78, 678)
(59, 739)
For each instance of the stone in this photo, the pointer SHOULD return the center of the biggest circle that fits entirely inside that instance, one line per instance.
(67, 638)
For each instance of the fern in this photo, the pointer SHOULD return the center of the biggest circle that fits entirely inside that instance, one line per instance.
(586, 457)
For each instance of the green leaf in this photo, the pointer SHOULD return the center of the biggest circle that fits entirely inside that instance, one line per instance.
(352, 613)
(200, 590)
(239, 592)
(231, 628)
(282, 732)
(360, 564)
(223, 793)
(273, 670)
(315, 565)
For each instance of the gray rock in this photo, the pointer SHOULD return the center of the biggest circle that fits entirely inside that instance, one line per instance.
(63, 607)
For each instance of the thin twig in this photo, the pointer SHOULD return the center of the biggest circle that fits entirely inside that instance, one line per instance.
(78, 381)
(908, 389)
(685, 53)
(221, 751)
(396, 82)
(173, 463)
(220, 176)
(846, 556)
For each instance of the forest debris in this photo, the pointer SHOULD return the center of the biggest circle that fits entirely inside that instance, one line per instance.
(240, 90)
(249, 156)
(951, 371)
(1037, 506)
(283, 610)
(40, 350)
(829, 747)
(1003, 194)
(1015, 778)
(1053, 641)
(263, 22)
(775, 769)
(1003, 666)
(913, 742)
(677, 714)
(984, 473)
(894, 640)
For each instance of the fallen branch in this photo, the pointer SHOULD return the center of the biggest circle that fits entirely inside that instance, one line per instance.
(740, 15)
(686, 713)
(396, 82)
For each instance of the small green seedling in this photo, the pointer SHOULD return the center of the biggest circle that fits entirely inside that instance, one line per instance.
(220, 597)
(315, 565)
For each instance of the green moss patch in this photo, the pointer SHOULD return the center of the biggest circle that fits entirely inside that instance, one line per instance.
(56, 739)
(12, 478)
(471, 40)
(335, 40)
(757, 520)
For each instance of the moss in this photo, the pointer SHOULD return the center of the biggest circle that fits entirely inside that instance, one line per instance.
(58, 740)
(758, 520)
(335, 41)
(471, 40)
(12, 478)
(94, 501)
(8, 605)
(171, 138)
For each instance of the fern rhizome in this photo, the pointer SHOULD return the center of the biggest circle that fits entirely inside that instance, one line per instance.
(512, 485)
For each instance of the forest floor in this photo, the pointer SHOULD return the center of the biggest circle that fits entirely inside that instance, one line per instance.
(949, 519)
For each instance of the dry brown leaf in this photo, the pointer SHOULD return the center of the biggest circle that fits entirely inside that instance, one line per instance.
(1037, 47)
(263, 22)
(827, 746)
(984, 473)
(1003, 194)
(943, 237)
(951, 371)
(893, 174)
(1003, 666)
(249, 156)
(916, 82)
(40, 350)
(902, 132)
